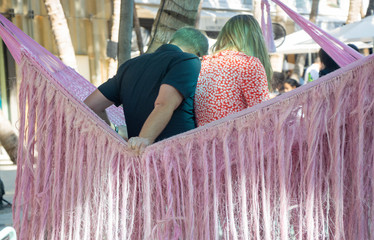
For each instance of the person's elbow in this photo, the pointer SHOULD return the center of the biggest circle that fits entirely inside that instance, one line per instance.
(168, 99)
(167, 107)
(93, 107)
(169, 104)
(97, 102)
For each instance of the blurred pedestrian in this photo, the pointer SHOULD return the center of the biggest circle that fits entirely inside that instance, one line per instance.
(327, 63)
(290, 84)
(312, 72)
(278, 82)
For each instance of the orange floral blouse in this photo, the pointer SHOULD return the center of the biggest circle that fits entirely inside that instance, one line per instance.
(229, 82)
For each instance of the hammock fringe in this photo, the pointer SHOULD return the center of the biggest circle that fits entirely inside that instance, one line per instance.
(299, 166)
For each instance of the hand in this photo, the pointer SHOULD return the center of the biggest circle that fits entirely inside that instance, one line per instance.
(122, 131)
(138, 144)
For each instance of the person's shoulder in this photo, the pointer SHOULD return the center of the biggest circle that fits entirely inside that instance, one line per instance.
(186, 59)
(191, 56)
(247, 58)
(247, 61)
(135, 60)
(186, 56)
(173, 52)
(239, 56)
(140, 57)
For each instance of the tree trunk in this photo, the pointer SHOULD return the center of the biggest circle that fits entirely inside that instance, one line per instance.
(172, 15)
(113, 63)
(299, 67)
(61, 32)
(314, 11)
(125, 31)
(257, 10)
(139, 37)
(8, 137)
(370, 10)
(280, 15)
(198, 15)
(354, 11)
(277, 59)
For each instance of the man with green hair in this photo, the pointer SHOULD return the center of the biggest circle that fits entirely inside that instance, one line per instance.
(156, 90)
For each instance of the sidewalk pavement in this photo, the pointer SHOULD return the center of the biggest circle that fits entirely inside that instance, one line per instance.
(8, 176)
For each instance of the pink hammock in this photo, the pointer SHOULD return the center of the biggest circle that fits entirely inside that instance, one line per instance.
(298, 166)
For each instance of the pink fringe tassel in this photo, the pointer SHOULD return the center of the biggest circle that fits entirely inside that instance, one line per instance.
(298, 166)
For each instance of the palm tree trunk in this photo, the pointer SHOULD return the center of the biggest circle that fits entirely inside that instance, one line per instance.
(280, 15)
(354, 11)
(370, 10)
(198, 15)
(257, 10)
(314, 11)
(299, 67)
(113, 63)
(139, 37)
(278, 58)
(171, 16)
(61, 32)
(8, 137)
(125, 31)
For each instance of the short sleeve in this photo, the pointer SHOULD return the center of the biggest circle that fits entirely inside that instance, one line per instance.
(182, 75)
(111, 89)
(254, 84)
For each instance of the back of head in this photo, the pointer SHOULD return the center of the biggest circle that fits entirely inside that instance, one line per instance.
(192, 40)
(327, 60)
(278, 80)
(244, 34)
(354, 47)
(293, 82)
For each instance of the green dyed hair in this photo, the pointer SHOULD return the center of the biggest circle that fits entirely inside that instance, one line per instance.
(243, 33)
(192, 39)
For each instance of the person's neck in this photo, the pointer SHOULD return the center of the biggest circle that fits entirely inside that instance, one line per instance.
(184, 49)
(225, 49)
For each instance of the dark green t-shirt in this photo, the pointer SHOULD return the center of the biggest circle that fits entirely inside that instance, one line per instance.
(137, 83)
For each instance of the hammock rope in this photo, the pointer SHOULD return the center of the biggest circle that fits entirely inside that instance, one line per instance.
(80, 88)
(337, 50)
(297, 166)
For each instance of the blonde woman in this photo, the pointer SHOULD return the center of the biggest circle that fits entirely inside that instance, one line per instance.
(236, 75)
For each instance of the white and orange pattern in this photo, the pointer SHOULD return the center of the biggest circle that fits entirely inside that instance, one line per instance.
(229, 82)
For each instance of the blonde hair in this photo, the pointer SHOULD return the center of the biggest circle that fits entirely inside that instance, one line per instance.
(243, 33)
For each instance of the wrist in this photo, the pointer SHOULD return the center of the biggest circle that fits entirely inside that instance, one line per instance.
(148, 138)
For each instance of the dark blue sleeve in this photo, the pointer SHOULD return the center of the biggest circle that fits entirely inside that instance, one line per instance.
(183, 74)
(111, 89)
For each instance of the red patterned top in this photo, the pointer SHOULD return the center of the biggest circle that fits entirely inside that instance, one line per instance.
(229, 82)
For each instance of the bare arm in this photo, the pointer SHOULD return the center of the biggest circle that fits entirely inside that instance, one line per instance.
(98, 103)
(167, 101)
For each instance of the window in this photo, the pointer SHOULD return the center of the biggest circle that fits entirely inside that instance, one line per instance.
(247, 3)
